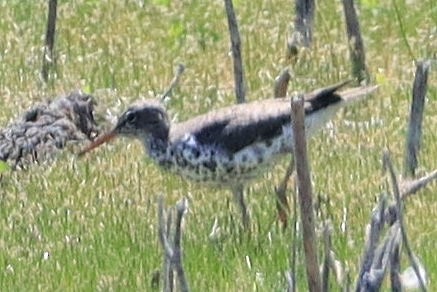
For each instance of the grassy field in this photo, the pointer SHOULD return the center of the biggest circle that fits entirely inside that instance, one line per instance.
(91, 224)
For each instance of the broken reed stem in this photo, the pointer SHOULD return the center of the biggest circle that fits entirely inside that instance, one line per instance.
(294, 243)
(414, 135)
(376, 226)
(281, 84)
(373, 277)
(399, 206)
(174, 82)
(411, 187)
(181, 209)
(376, 257)
(49, 58)
(305, 194)
(302, 36)
(395, 268)
(356, 47)
(280, 90)
(326, 262)
(381, 261)
(172, 254)
(240, 82)
(168, 252)
(282, 205)
(168, 270)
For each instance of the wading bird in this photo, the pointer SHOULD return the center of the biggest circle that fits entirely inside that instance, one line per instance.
(230, 146)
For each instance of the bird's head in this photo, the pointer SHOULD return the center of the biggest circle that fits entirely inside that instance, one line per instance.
(143, 120)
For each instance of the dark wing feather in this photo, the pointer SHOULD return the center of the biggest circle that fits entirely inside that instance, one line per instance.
(235, 127)
(239, 135)
(236, 134)
(322, 98)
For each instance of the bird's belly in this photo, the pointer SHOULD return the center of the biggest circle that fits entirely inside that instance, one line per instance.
(231, 174)
(215, 167)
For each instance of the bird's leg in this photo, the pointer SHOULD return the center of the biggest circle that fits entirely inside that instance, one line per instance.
(238, 193)
(281, 197)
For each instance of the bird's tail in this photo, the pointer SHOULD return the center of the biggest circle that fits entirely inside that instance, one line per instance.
(357, 93)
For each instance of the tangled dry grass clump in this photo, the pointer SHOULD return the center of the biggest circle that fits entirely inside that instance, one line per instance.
(46, 128)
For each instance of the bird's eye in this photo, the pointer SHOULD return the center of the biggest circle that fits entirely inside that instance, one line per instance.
(130, 117)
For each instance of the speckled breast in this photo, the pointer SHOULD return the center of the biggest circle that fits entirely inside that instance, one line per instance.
(213, 165)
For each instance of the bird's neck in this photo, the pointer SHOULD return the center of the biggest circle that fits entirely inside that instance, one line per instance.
(157, 148)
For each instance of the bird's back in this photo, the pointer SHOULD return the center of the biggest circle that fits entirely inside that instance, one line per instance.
(234, 144)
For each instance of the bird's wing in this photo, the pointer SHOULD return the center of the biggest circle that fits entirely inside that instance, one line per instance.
(236, 127)
(233, 128)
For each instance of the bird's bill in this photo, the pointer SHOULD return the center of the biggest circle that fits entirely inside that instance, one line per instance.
(99, 141)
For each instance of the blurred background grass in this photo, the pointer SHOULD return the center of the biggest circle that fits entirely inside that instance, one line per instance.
(90, 224)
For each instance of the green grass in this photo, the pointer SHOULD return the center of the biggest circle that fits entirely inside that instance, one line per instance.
(96, 218)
